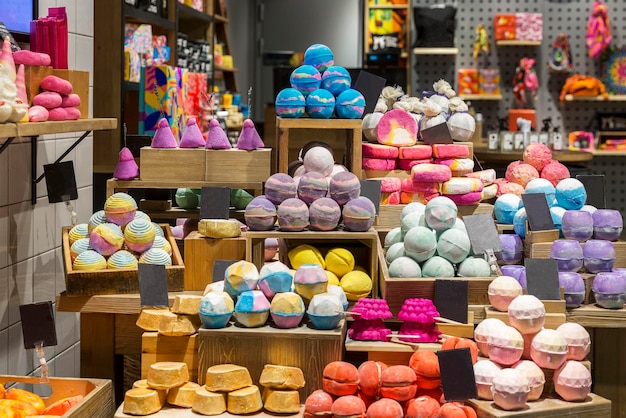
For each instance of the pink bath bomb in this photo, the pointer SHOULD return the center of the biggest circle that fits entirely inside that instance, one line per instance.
(527, 314)
(293, 215)
(572, 381)
(510, 187)
(578, 340)
(536, 378)
(324, 214)
(280, 186)
(510, 389)
(555, 172)
(502, 290)
(312, 186)
(523, 173)
(506, 346)
(548, 349)
(344, 187)
(484, 329)
(484, 372)
(510, 167)
(538, 155)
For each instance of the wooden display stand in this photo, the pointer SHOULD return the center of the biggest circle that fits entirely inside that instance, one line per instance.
(389, 215)
(593, 407)
(542, 250)
(390, 353)
(156, 348)
(552, 319)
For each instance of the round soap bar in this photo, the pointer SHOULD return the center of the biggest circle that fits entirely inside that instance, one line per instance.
(319, 56)
(415, 152)
(538, 155)
(260, 214)
(607, 224)
(404, 267)
(397, 128)
(437, 267)
(290, 103)
(440, 213)
(305, 79)
(358, 214)
(379, 151)
(319, 159)
(139, 235)
(344, 187)
(280, 186)
(505, 207)
(293, 215)
(474, 267)
(598, 255)
(320, 104)
(420, 243)
(571, 194)
(336, 79)
(378, 164)
(577, 225)
(431, 173)
(542, 186)
(120, 208)
(324, 214)
(453, 245)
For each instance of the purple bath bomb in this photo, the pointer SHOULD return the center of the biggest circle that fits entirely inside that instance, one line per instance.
(573, 287)
(312, 186)
(344, 187)
(516, 271)
(608, 288)
(358, 214)
(568, 254)
(512, 249)
(324, 214)
(598, 255)
(607, 224)
(293, 215)
(279, 187)
(577, 225)
(260, 214)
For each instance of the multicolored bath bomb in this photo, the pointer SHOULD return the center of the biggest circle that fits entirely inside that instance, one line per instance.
(319, 56)
(290, 103)
(378, 164)
(512, 249)
(437, 267)
(89, 260)
(158, 230)
(78, 246)
(309, 280)
(156, 256)
(395, 251)
(192, 137)
(440, 213)
(344, 187)
(217, 138)
(324, 214)
(420, 243)
(356, 284)
(279, 187)
(523, 173)
(163, 137)
(293, 215)
(505, 207)
(305, 79)
(260, 214)
(122, 259)
(139, 235)
(538, 155)
(336, 79)
(215, 310)
(453, 245)
(542, 186)
(106, 239)
(239, 277)
(358, 214)
(252, 309)
(120, 208)
(555, 172)
(320, 160)
(571, 194)
(274, 278)
(77, 232)
(162, 243)
(404, 267)
(320, 104)
(287, 310)
(397, 128)
(312, 186)
(350, 104)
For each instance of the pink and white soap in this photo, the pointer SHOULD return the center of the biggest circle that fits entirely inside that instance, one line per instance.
(577, 338)
(502, 290)
(510, 389)
(527, 314)
(506, 346)
(536, 378)
(572, 381)
(484, 372)
(548, 349)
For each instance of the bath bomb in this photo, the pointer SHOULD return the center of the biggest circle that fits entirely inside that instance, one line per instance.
(370, 123)
(186, 198)
(350, 104)
(260, 214)
(573, 288)
(542, 186)
(318, 404)
(598, 255)
(287, 310)
(139, 235)
(305, 79)
(122, 259)
(120, 208)
(293, 215)
(505, 346)
(217, 138)
(555, 172)
(509, 187)
(339, 261)
(536, 378)
(192, 137)
(548, 349)
(412, 207)
(216, 309)
(608, 289)
(337, 290)
(126, 168)
(484, 372)
(158, 230)
(379, 151)
(324, 214)
(320, 160)
(163, 136)
(607, 224)
(344, 187)
(515, 271)
(162, 243)
(240, 277)
(453, 245)
(577, 338)
(519, 222)
(319, 56)
(394, 251)
(106, 239)
(437, 267)
(420, 243)
(510, 389)
(252, 309)
(572, 381)
(274, 278)
(280, 186)
(336, 79)
(404, 267)
(89, 260)
(512, 249)
(290, 103)
(348, 406)
(397, 128)
(577, 225)
(78, 246)
(305, 254)
(568, 254)
(312, 186)
(538, 155)
(484, 329)
(356, 284)
(309, 280)
(325, 311)
(527, 314)
(505, 207)
(474, 267)
(358, 214)
(320, 104)
(440, 213)
(77, 232)
(249, 139)
(385, 408)
(571, 194)
(522, 174)
(589, 208)
(156, 256)
(502, 290)
(398, 382)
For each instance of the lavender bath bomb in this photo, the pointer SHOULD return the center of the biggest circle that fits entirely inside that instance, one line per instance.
(404, 267)
(571, 194)
(512, 249)
(344, 187)
(440, 213)
(312, 186)
(505, 207)
(474, 267)
(516, 271)
(358, 214)
(293, 215)
(260, 214)
(453, 245)
(598, 255)
(608, 289)
(437, 267)
(577, 225)
(568, 254)
(279, 187)
(573, 288)
(607, 224)
(324, 214)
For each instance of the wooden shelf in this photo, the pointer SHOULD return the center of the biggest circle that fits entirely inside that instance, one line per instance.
(608, 153)
(565, 156)
(435, 51)
(190, 14)
(615, 98)
(226, 69)
(114, 185)
(611, 133)
(594, 316)
(514, 42)
(8, 130)
(480, 96)
(594, 406)
(57, 127)
(135, 14)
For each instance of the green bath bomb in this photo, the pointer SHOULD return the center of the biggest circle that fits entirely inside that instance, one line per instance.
(420, 243)
(412, 220)
(474, 267)
(412, 207)
(405, 267)
(453, 245)
(437, 267)
(394, 236)
(440, 213)
(395, 251)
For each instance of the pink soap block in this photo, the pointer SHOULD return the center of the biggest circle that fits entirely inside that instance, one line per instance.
(58, 113)
(466, 199)
(408, 164)
(72, 113)
(406, 198)
(38, 114)
(457, 164)
(48, 99)
(397, 128)
(389, 184)
(431, 173)
(71, 100)
(415, 152)
(392, 198)
(379, 151)
(378, 164)
(450, 151)
(487, 176)
(410, 186)
(461, 185)
(57, 84)
(26, 57)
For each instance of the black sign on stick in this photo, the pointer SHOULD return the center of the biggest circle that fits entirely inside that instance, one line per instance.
(451, 298)
(153, 285)
(542, 278)
(219, 269)
(215, 203)
(438, 134)
(538, 212)
(594, 185)
(484, 239)
(457, 374)
(370, 86)
(60, 182)
(371, 190)
(38, 327)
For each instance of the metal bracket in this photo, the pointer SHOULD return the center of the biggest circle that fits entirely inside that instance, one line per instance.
(6, 144)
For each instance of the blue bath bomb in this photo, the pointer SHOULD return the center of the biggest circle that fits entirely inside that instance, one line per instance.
(437, 267)
(305, 79)
(556, 212)
(336, 79)
(542, 186)
(519, 222)
(571, 194)
(404, 267)
(505, 208)
(350, 104)
(319, 56)
(320, 104)
(290, 103)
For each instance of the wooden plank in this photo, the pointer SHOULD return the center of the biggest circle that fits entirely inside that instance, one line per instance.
(57, 127)
(108, 304)
(175, 412)
(389, 215)
(542, 250)
(594, 407)
(156, 348)
(8, 130)
(597, 317)
(609, 367)
(552, 320)
(127, 334)
(97, 345)
(172, 164)
(251, 166)
(114, 185)
(308, 123)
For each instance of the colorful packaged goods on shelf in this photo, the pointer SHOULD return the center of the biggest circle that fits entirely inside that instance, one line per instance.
(162, 90)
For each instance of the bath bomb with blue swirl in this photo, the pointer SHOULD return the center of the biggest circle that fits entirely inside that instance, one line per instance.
(156, 256)
(337, 291)
(474, 267)
(77, 232)
(324, 214)
(437, 267)
(571, 194)
(453, 245)
(319, 56)
(556, 213)
(312, 186)
(279, 187)
(139, 235)
(404, 267)
(215, 310)
(305, 79)
(158, 230)
(350, 104)
(358, 214)
(505, 207)
(420, 243)
(122, 259)
(142, 215)
(309, 280)
(252, 309)
(344, 187)
(290, 103)
(80, 245)
(106, 239)
(96, 219)
(162, 243)
(89, 260)
(440, 213)
(274, 278)
(120, 208)
(320, 160)
(239, 277)
(260, 214)
(320, 104)
(519, 222)
(287, 310)
(542, 186)
(293, 215)
(336, 80)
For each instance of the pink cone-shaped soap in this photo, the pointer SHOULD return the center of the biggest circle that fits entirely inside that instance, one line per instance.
(127, 168)
(21, 85)
(192, 137)
(249, 138)
(6, 58)
(163, 137)
(217, 139)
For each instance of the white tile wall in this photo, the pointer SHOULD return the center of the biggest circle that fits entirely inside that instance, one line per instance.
(20, 360)
(20, 288)
(4, 300)
(19, 172)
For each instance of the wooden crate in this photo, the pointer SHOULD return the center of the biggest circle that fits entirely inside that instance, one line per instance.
(172, 164)
(98, 401)
(119, 281)
(309, 349)
(33, 74)
(156, 348)
(80, 86)
(237, 165)
(593, 407)
(389, 215)
(542, 250)
(201, 252)
(390, 353)
(176, 412)
(552, 320)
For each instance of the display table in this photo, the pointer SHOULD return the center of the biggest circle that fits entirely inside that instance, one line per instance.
(173, 412)
(565, 156)
(115, 185)
(593, 407)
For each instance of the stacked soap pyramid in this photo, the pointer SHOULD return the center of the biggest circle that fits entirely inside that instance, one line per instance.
(418, 316)
(369, 316)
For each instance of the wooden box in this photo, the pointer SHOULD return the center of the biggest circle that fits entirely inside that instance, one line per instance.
(309, 349)
(542, 250)
(156, 348)
(552, 320)
(169, 411)
(201, 252)
(98, 400)
(33, 74)
(80, 86)
(172, 164)
(236, 165)
(593, 407)
(389, 215)
(121, 281)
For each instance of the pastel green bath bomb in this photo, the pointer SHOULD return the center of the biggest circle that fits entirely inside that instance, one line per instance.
(420, 243)
(393, 236)
(339, 261)
(440, 213)
(404, 267)
(395, 251)
(412, 220)
(186, 198)
(437, 267)
(412, 207)
(239, 198)
(474, 267)
(453, 245)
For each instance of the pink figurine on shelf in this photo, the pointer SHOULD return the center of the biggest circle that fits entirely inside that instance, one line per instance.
(216, 138)
(192, 137)
(163, 137)
(127, 168)
(249, 138)
(418, 316)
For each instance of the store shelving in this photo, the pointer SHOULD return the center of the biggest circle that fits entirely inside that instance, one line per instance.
(435, 51)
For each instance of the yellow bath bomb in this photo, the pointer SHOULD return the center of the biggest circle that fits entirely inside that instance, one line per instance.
(305, 254)
(339, 261)
(356, 285)
(332, 278)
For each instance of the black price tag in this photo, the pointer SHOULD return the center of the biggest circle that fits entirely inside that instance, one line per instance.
(538, 212)
(219, 269)
(60, 182)
(451, 298)
(371, 190)
(457, 374)
(438, 134)
(38, 326)
(482, 233)
(153, 285)
(542, 278)
(594, 185)
(215, 203)
(370, 86)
